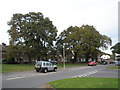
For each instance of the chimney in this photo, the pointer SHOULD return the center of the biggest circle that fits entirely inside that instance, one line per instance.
(3, 44)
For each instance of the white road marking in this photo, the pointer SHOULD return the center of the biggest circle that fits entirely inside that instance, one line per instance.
(86, 67)
(82, 76)
(29, 76)
(18, 77)
(15, 78)
(79, 76)
(86, 74)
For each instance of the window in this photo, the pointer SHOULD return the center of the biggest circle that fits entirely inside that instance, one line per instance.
(38, 63)
(51, 64)
(47, 64)
(44, 64)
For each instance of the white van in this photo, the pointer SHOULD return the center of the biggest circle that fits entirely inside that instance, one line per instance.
(45, 66)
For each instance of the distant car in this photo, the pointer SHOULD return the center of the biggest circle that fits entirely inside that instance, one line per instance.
(45, 66)
(117, 63)
(112, 62)
(92, 63)
(103, 62)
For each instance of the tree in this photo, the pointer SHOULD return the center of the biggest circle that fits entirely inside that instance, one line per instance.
(93, 41)
(116, 48)
(82, 41)
(10, 53)
(34, 33)
(67, 37)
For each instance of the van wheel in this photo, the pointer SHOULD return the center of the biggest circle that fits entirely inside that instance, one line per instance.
(37, 70)
(55, 69)
(45, 70)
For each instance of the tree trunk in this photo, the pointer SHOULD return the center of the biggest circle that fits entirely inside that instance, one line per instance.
(29, 59)
(38, 58)
(86, 57)
(96, 59)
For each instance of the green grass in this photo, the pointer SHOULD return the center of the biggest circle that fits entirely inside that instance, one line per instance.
(25, 67)
(72, 65)
(16, 67)
(85, 82)
(114, 67)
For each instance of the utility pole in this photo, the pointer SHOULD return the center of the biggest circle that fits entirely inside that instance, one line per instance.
(64, 56)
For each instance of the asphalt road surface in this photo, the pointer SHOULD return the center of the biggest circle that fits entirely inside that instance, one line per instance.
(32, 79)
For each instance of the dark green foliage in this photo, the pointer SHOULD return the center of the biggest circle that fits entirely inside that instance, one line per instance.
(10, 54)
(32, 33)
(82, 41)
(116, 48)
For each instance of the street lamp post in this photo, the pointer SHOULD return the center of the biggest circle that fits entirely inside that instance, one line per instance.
(64, 56)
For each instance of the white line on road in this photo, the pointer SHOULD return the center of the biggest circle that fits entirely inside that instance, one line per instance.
(18, 77)
(29, 76)
(84, 75)
(23, 76)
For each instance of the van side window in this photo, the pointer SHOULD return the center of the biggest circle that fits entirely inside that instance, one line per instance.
(50, 64)
(43, 64)
(47, 64)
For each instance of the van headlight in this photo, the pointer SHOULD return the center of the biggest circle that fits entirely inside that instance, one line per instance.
(37, 66)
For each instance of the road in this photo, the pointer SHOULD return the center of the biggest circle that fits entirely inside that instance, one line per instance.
(32, 79)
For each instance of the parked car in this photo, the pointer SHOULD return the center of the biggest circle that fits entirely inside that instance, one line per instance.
(117, 63)
(92, 63)
(45, 66)
(112, 62)
(103, 62)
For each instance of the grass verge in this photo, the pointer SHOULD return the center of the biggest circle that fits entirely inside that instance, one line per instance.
(114, 67)
(16, 67)
(85, 82)
(72, 65)
(25, 67)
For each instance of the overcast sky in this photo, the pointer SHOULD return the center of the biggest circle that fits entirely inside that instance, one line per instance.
(102, 14)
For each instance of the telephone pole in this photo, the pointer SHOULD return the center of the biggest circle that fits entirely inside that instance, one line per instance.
(64, 56)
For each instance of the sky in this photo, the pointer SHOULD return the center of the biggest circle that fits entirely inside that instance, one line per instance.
(102, 14)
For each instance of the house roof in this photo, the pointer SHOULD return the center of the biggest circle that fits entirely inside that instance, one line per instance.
(2, 48)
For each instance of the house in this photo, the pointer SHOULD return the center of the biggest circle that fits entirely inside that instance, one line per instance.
(117, 56)
(2, 51)
(105, 57)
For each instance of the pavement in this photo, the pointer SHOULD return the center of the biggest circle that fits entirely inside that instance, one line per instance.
(33, 79)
